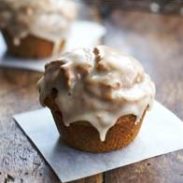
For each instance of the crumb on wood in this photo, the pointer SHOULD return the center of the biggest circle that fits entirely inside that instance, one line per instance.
(179, 157)
(140, 169)
(23, 158)
(9, 178)
(37, 164)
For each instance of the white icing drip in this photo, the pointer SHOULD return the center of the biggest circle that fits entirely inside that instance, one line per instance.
(99, 92)
(102, 119)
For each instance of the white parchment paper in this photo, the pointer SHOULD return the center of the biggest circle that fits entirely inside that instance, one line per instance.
(83, 34)
(161, 132)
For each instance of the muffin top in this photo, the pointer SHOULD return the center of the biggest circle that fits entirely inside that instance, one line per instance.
(48, 19)
(97, 85)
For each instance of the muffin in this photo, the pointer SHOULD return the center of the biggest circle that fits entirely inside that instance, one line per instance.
(98, 97)
(36, 29)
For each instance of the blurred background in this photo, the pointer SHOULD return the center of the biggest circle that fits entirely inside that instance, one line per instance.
(156, 6)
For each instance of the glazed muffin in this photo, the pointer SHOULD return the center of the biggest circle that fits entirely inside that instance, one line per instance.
(36, 29)
(98, 97)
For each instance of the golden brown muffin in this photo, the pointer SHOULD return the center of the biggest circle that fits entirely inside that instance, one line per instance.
(32, 46)
(83, 136)
(98, 98)
(36, 29)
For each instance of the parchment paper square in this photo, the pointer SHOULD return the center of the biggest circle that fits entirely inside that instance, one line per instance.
(161, 132)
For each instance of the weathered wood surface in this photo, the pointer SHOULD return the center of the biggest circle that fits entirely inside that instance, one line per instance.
(157, 41)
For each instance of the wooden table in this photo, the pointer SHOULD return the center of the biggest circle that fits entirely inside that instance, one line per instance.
(157, 41)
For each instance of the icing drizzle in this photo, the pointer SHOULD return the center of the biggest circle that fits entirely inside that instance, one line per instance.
(98, 86)
(48, 19)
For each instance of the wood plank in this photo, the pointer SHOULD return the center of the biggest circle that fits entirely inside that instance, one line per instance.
(157, 41)
(166, 168)
(19, 160)
(93, 179)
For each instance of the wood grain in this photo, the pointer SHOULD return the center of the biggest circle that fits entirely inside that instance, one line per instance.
(157, 41)
(93, 179)
(19, 161)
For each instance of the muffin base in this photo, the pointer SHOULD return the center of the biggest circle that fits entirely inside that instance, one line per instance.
(30, 46)
(83, 136)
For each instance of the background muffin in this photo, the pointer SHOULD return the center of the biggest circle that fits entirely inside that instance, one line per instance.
(98, 97)
(36, 29)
